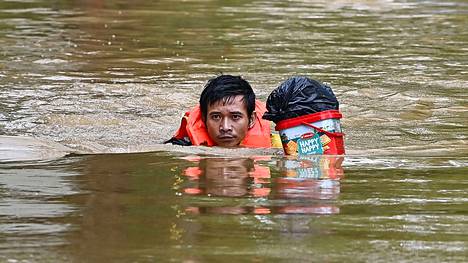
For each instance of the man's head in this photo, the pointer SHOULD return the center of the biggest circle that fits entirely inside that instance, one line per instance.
(228, 109)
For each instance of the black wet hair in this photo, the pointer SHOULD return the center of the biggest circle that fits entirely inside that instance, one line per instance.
(224, 88)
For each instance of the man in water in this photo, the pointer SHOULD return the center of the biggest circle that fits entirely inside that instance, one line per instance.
(228, 116)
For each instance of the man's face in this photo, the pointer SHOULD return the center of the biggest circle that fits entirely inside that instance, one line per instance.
(228, 123)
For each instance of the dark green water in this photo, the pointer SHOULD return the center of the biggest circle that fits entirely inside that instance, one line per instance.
(115, 76)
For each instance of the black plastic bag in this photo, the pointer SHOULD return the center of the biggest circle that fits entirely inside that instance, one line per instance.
(299, 96)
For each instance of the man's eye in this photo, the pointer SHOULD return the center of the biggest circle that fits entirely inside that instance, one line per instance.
(215, 117)
(236, 117)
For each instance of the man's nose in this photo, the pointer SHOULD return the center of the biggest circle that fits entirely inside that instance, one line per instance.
(225, 125)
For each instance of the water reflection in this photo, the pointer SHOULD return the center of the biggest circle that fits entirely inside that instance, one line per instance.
(145, 207)
(126, 199)
(226, 177)
(303, 186)
(312, 166)
(34, 209)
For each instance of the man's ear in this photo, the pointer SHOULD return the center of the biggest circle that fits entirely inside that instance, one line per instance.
(203, 119)
(252, 119)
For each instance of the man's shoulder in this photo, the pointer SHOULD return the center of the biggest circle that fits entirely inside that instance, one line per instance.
(185, 141)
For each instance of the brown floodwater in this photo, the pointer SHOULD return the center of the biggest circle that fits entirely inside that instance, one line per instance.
(90, 89)
(187, 208)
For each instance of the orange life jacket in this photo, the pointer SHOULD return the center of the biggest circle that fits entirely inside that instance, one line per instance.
(193, 127)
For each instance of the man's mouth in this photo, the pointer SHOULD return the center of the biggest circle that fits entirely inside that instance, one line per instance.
(226, 137)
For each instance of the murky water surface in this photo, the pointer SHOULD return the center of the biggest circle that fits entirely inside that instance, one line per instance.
(107, 77)
(157, 206)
